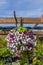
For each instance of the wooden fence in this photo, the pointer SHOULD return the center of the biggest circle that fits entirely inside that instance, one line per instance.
(21, 20)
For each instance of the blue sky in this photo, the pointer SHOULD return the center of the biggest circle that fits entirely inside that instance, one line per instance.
(23, 8)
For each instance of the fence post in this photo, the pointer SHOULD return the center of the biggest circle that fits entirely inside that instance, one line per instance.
(21, 23)
(15, 18)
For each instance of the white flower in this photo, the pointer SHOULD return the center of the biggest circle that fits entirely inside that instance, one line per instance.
(28, 39)
(8, 45)
(35, 43)
(35, 37)
(24, 42)
(31, 41)
(17, 38)
(14, 46)
(16, 33)
(8, 37)
(10, 33)
(11, 45)
(16, 43)
(23, 48)
(30, 48)
(12, 50)
(20, 38)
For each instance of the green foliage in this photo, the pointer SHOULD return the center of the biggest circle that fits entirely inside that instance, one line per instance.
(21, 29)
(3, 48)
(1, 62)
(38, 53)
(37, 61)
(3, 42)
(4, 51)
(39, 48)
(24, 57)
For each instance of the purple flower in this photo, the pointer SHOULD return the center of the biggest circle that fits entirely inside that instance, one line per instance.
(31, 35)
(26, 34)
(29, 44)
(20, 32)
(12, 36)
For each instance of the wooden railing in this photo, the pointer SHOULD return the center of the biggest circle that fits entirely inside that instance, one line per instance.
(22, 20)
(37, 32)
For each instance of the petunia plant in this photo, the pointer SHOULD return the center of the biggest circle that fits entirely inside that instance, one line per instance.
(21, 43)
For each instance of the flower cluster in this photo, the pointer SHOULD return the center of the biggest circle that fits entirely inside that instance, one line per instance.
(20, 41)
